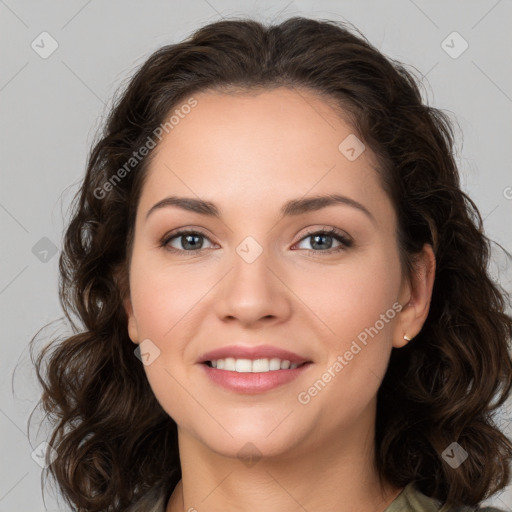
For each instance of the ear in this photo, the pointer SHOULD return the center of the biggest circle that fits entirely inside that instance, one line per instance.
(415, 296)
(133, 331)
(121, 278)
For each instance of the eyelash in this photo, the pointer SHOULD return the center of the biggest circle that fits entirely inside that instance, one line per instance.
(345, 242)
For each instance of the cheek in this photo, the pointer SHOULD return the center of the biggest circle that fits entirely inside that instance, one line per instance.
(355, 303)
(352, 296)
(163, 303)
(163, 298)
(367, 313)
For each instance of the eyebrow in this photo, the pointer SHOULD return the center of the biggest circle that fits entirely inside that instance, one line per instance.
(290, 208)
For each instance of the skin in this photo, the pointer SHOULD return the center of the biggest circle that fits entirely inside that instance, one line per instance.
(250, 153)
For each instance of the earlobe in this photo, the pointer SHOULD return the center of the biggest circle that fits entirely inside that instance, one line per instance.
(402, 342)
(413, 315)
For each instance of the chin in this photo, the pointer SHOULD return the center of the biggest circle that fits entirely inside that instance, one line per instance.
(250, 450)
(254, 439)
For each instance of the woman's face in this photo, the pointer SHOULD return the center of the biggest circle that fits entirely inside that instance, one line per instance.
(253, 276)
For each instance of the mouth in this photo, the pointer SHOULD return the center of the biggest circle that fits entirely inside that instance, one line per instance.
(254, 369)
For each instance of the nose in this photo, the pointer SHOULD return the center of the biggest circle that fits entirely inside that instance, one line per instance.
(254, 293)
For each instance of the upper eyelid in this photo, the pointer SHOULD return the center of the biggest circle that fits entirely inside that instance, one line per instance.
(327, 230)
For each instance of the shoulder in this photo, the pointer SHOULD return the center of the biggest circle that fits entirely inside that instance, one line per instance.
(411, 499)
(489, 509)
(470, 509)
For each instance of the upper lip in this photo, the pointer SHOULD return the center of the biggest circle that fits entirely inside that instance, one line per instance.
(258, 352)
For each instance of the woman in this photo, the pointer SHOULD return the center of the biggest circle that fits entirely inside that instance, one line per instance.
(270, 372)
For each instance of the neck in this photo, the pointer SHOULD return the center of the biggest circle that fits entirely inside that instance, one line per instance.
(331, 474)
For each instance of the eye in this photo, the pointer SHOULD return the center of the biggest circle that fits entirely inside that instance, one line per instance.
(323, 240)
(190, 241)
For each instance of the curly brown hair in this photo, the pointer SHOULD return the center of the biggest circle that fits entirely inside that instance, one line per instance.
(114, 441)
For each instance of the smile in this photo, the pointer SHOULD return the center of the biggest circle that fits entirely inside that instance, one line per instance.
(252, 365)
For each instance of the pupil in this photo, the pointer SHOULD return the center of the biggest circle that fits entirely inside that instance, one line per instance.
(190, 245)
(316, 237)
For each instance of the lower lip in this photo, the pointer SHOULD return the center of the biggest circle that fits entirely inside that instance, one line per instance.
(248, 382)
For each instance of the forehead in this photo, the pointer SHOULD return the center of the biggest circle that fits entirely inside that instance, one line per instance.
(257, 149)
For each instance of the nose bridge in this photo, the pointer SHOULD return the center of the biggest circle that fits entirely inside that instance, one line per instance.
(251, 290)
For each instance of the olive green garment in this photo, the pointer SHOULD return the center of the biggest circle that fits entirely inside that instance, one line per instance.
(409, 500)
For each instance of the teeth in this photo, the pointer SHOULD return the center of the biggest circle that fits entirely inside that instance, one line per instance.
(252, 366)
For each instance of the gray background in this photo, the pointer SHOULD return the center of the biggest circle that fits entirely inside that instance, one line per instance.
(50, 109)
